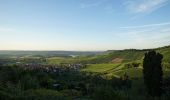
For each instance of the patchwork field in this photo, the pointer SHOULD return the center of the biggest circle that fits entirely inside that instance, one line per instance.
(116, 70)
(100, 68)
(59, 60)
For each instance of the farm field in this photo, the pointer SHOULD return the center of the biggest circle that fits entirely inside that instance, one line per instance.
(113, 70)
(100, 68)
(59, 60)
(118, 70)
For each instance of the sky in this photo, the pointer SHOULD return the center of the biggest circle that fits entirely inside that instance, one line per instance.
(84, 25)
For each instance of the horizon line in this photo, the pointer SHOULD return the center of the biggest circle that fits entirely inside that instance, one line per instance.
(91, 50)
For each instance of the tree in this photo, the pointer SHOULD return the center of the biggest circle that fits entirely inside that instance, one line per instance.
(152, 71)
(135, 64)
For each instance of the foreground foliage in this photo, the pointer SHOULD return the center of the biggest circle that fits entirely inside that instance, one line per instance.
(152, 71)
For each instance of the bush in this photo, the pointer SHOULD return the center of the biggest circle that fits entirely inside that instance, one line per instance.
(106, 93)
(133, 64)
(43, 94)
(4, 96)
(71, 93)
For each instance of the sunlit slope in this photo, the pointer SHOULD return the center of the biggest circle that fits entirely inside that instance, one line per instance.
(115, 56)
(114, 62)
(100, 68)
(165, 51)
(130, 55)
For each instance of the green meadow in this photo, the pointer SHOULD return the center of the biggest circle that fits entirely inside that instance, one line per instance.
(100, 68)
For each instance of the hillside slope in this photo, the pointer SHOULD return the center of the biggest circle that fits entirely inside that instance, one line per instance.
(165, 51)
(128, 55)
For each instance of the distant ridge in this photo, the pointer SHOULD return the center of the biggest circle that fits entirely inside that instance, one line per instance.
(129, 55)
(47, 53)
(140, 49)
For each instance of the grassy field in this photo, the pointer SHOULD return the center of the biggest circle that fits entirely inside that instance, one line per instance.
(125, 56)
(131, 72)
(59, 60)
(118, 70)
(99, 68)
(113, 70)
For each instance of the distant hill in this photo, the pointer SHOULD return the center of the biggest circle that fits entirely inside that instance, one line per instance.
(127, 55)
(165, 51)
(7, 53)
(110, 56)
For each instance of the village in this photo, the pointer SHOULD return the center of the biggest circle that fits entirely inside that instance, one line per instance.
(60, 68)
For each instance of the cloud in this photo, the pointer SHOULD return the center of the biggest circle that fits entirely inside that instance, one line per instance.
(106, 5)
(145, 36)
(83, 5)
(143, 6)
(146, 26)
(92, 4)
(109, 9)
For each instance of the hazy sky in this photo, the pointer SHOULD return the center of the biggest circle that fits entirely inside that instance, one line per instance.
(83, 24)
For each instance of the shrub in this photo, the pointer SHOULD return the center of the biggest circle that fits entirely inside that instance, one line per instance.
(106, 93)
(43, 94)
